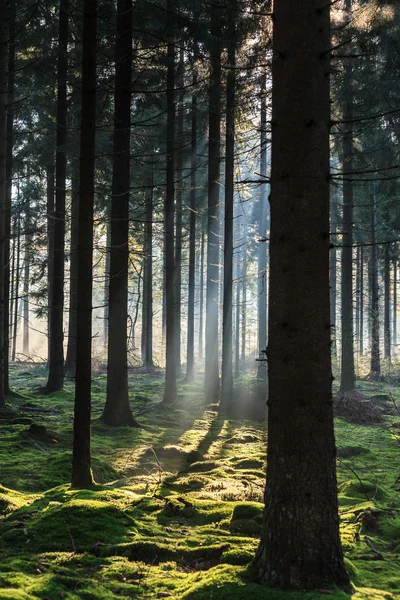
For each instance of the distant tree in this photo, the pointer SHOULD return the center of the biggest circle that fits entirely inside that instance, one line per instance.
(300, 545)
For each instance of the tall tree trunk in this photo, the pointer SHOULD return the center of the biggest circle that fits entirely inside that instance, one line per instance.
(56, 358)
(243, 308)
(262, 230)
(117, 411)
(17, 278)
(192, 228)
(211, 382)
(333, 267)
(201, 292)
(170, 359)
(81, 458)
(226, 369)
(348, 376)
(357, 308)
(178, 212)
(395, 294)
(9, 177)
(27, 259)
(107, 278)
(147, 307)
(237, 321)
(50, 193)
(70, 362)
(361, 331)
(3, 170)
(300, 545)
(375, 369)
(386, 315)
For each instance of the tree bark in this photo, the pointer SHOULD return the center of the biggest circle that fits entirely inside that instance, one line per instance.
(81, 458)
(70, 362)
(170, 285)
(117, 411)
(395, 294)
(192, 229)
(27, 262)
(386, 315)
(147, 307)
(375, 369)
(300, 545)
(17, 278)
(348, 376)
(243, 307)
(211, 381)
(201, 292)
(50, 193)
(3, 135)
(361, 331)
(333, 267)
(226, 369)
(56, 358)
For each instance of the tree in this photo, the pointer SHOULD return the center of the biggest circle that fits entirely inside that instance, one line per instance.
(81, 458)
(214, 158)
(117, 411)
(300, 544)
(56, 347)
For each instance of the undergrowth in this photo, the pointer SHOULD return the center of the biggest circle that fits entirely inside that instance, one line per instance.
(177, 506)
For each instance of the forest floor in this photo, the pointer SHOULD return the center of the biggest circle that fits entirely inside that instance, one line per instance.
(177, 507)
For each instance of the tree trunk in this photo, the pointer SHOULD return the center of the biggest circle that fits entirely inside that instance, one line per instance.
(300, 545)
(117, 411)
(386, 316)
(9, 177)
(147, 307)
(211, 381)
(395, 294)
(50, 192)
(170, 314)
(201, 293)
(56, 358)
(178, 213)
(348, 376)
(192, 229)
(3, 170)
(243, 307)
(70, 362)
(237, 321)
(333, 267)
(81, 458)
(107, 278)
(17, 278)
(375, 369)
(262, 230)
(226, 370)
(361, 331)
(27, 258)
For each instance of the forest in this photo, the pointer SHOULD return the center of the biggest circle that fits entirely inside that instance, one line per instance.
(199, 278)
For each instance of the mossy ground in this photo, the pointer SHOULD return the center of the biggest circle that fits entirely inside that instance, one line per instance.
(176, 510)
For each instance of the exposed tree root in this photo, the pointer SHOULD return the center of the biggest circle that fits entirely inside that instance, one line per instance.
(356, 409)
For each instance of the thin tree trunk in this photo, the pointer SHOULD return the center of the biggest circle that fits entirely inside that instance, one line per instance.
(170, 351)
(211, 381)
(56, 358)
(3, 172)
(395, 294)
(357, 311)
(300, 544)
(178, 215)
(27, 256)
(226, 369)
(348, 376)
(70, 362)
(361, 332)
(333, 268)
(262, 230)
(107, 278)
(192, 229)
(244, 294)
(237, 323)
(81, 458)
(50, 192)
(9, 177)
(147, 308)
(117, 411)
(375, 370)
(201, 293)
(386, 315)
(12, 283)
(17, 278)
